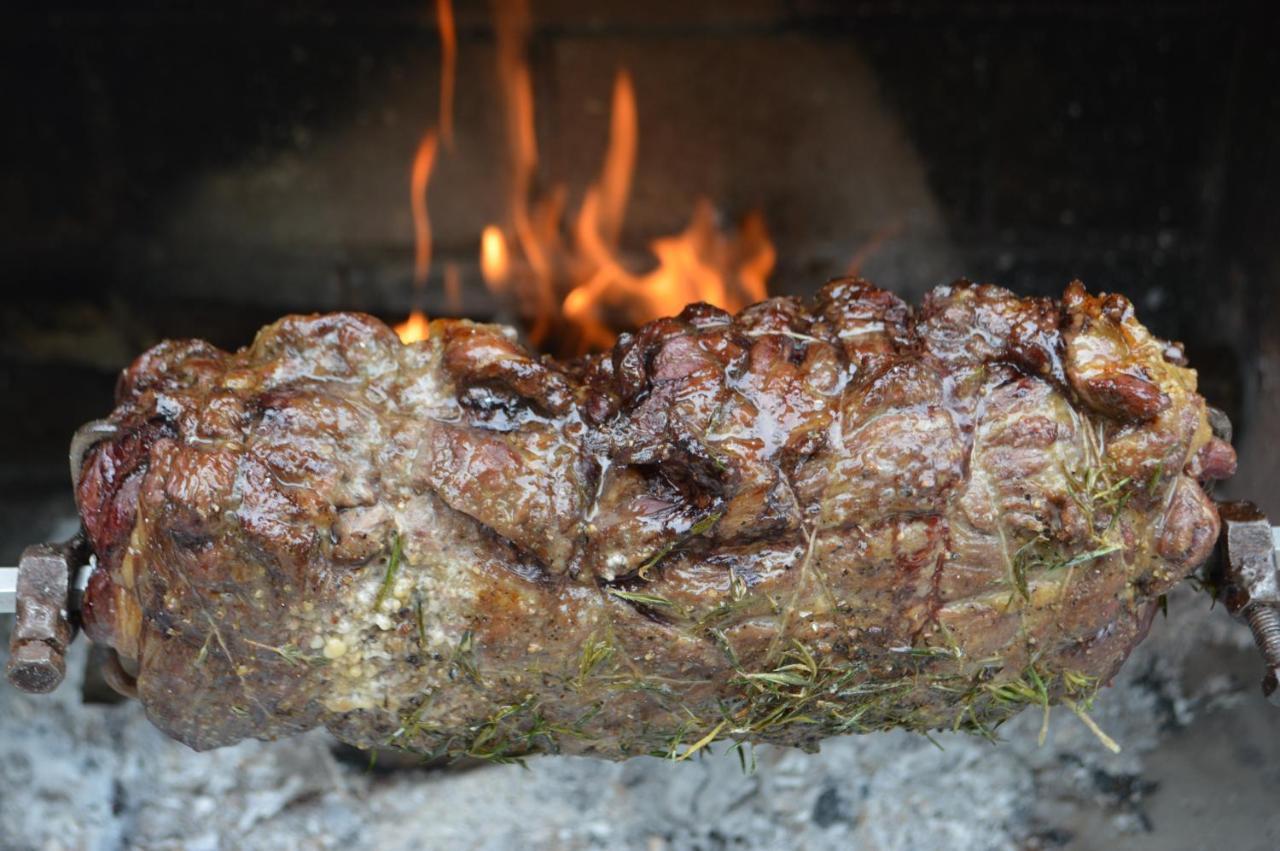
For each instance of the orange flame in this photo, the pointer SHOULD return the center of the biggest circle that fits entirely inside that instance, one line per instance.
(584, 283)
(448, 68)
(419, 176)
(495, 265)
(577, 284)
(619, 161)
(756, 259)
(414, 328)
(700, 264)
(533, 294)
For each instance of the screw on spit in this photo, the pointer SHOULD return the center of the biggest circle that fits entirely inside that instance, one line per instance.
(1264, 621)
(1250, 582)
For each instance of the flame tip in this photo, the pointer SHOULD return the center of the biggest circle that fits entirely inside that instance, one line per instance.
(415, 328)
(448, 68)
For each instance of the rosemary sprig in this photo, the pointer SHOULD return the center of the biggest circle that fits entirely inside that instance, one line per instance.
(290, 654)
(701, 743)
(1087, 557)
(595, 653)
(651, 600)
(699, 528)
(463, 660)
(389, 578)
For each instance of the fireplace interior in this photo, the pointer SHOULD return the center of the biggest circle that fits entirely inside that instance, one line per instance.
(200, 172)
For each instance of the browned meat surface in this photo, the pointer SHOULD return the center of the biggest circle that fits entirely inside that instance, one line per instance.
(805, 520)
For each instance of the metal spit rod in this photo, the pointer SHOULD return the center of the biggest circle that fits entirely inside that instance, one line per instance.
(9, 588)
(9, 579)
(53, 578)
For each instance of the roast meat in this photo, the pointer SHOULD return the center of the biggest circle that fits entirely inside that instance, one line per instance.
(808, 519)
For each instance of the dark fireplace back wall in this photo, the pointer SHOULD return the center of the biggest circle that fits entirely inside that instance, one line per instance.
(199, 172)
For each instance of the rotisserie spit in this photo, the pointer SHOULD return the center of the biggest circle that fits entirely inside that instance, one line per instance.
(796, 522)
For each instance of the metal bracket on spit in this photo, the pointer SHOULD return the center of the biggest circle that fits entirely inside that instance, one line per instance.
(44, 591)
(46, 587)
(9, 582)
(47, 615)
(1247, 575)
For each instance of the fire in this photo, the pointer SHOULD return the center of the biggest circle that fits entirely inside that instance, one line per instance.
(448, 68)
(575, 283)
(533, 234)
(424, 159)
(419, 176)
(583, 286)
(495, 265)
(699, 264)
(414, 328)
(614, 186)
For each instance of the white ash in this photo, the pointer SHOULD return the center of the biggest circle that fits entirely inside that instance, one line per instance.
(82, 776)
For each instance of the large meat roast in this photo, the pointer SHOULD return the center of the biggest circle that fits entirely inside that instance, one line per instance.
(805, 520)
